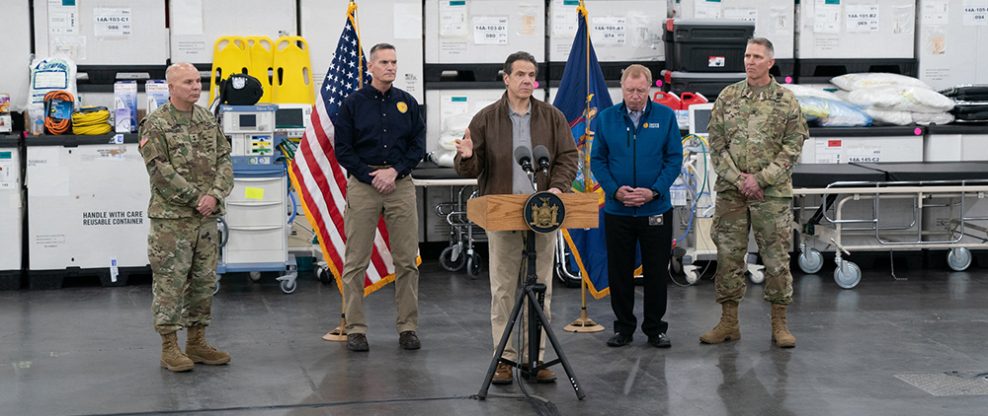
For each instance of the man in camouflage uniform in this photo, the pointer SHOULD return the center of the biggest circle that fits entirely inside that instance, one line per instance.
(188, 162)
(756, 135)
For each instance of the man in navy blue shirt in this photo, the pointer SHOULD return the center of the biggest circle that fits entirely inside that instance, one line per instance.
(380, 137)
(637, 154)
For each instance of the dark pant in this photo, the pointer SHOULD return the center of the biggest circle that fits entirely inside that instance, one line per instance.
(623, 233)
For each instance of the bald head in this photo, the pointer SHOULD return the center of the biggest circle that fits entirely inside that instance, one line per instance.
(184, 85)
(174, 69)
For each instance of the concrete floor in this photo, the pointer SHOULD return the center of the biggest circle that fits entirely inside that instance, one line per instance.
(91, 351)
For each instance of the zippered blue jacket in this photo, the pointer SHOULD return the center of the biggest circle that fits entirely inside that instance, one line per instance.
(649, 155)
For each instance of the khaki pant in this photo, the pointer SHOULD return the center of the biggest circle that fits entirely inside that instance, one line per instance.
(364, 206)
(508, 268)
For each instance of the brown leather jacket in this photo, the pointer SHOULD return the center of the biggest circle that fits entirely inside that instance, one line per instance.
(493, 158)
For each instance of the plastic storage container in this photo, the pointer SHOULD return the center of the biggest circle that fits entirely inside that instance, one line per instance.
(706, 45)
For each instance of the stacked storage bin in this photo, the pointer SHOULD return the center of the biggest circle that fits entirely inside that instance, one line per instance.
(12, 209)
(623, 32)
(322, 22)
(87, 197)
(836, 37)
(704, 56)
(773, 21)
(466, 43)
(950, 44)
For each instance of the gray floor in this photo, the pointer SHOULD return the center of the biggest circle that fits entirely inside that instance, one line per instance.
(89, 351)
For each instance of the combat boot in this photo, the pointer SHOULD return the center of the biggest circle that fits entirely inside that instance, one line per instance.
(200, 352)
(727, 329)
(172, 357)
(780, 333)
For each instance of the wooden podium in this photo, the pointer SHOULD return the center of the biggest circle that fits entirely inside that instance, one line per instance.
(503, 212)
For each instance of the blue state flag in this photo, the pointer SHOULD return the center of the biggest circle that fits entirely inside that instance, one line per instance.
(581, 96)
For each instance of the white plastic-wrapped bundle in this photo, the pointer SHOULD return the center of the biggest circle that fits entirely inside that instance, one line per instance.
(832, 112)
(932, 118)
(898, 118)
(807, 91)
(902, 98)
(854, 82)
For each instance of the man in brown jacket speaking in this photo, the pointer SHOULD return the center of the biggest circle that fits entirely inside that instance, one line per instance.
(485, 152)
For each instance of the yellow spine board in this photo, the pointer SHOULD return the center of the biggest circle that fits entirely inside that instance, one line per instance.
(292, 72)
(262, 63)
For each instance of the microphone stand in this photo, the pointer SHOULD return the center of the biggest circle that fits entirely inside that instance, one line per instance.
(532, 294)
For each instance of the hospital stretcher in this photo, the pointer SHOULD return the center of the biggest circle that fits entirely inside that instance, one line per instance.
(932, 205)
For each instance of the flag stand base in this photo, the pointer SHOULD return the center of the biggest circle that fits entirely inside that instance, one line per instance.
(583, 324)
(338, 334)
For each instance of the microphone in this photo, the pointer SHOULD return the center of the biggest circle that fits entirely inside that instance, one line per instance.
(523, 156)
(542, 158)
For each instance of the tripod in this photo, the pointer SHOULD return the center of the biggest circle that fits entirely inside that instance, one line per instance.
(534, 293)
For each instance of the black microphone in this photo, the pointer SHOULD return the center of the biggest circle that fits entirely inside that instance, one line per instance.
(542, 158)
(523, 156)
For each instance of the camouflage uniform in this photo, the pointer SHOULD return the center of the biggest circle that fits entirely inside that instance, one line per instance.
(758, 131)
(187, 156)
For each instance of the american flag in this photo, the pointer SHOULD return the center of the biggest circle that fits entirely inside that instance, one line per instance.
(319, 178)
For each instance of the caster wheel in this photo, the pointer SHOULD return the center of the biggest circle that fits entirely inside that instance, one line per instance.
(847, 274)
(323, 275)
(756, 276)
(217, 288)
(254, 276)
(810, 261)
(288, 286)
(452, 258)
(959, 259)
(474, 264)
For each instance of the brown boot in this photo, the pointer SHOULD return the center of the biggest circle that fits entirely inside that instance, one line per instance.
(200, 352)
(780, 333)
(172, 357)
(727, 329)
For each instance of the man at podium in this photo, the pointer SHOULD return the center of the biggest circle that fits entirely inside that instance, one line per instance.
(485, 152)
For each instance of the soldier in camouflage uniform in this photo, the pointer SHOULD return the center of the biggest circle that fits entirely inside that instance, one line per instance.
(756, 136)
(188, 162)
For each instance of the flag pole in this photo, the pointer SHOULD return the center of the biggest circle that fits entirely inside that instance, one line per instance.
(338, 334)
(584, 324)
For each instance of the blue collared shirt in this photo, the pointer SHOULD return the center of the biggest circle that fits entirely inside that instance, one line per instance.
(375, 129)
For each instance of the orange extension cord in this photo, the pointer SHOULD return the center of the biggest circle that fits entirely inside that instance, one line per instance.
(57, 125)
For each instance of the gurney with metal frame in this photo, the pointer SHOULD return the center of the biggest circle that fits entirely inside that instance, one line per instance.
(927, 188)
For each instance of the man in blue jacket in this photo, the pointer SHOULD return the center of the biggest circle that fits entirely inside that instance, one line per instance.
(637, 154)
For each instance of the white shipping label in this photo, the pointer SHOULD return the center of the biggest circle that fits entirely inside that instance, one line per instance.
(8, 173)
(609, 30)
(742, 14)
(781, 18)
(452, 20)
(111, 22)
(975, 12)
(490, 30)
(63, 19)
(864, 154)
(828, 150)
(706, 9)
(565, 23)
(452, 105)
(935, 12)
(826, 17)
(861, 18)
